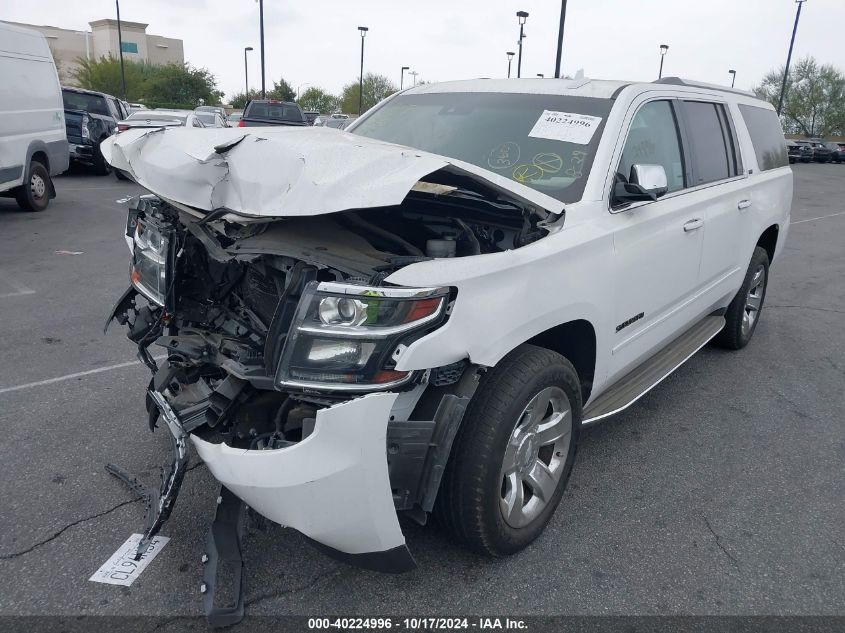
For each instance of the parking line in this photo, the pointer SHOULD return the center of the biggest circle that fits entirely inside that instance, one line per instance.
(20, 289)
(79, 374)
(823, 217)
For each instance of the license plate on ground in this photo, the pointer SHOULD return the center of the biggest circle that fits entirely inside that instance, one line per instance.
(122, 568)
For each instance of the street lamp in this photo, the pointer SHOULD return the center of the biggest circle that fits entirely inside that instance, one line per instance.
(560, 38)
(521, 16)
(414, 74)
(664, 48)
(789, 56)
(363, 30)
(510, 55)
(120, 48)
(732, 73)
(402, 78)
(246, 72)
(299, 89)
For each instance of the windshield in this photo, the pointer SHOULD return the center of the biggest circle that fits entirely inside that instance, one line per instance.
(146, 115)
(95, 104)
(206, 117)
(546, 142)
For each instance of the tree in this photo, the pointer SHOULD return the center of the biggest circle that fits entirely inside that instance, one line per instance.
(176, 84)
(240, 99)
(318, 100)
(376, 88)
(815, 98)
(282, 91)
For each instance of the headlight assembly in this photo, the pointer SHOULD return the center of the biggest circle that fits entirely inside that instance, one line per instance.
(149, 272)
(343, 337)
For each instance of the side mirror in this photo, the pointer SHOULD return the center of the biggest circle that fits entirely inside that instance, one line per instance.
(647, 182)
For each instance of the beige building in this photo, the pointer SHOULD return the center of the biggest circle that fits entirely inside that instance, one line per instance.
(138, 45)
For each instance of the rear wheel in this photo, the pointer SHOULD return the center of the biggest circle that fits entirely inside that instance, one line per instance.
(34, 193)
(743, 313)
(513, 454)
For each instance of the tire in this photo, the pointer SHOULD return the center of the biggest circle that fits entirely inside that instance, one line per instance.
(119, 175)
(101, 167)
(744, 311)
(34, 194)
(496, 447)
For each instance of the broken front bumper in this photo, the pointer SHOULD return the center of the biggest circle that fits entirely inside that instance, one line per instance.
(333, 486)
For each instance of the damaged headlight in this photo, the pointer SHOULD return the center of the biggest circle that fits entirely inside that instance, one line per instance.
(151, 249)
(343, 337)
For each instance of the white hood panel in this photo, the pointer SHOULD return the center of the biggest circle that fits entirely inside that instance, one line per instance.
(277, 172)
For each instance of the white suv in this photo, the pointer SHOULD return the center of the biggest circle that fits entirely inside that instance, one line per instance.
(420, 314)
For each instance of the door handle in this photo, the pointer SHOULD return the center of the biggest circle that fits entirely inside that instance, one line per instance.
(692, 225)
(743, 204)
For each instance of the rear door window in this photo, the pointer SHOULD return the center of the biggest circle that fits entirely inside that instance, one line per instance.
(766, 136)
(712, 146)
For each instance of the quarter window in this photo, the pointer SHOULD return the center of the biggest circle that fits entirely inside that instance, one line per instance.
(711, 143)
(653, 140)
(766, 137)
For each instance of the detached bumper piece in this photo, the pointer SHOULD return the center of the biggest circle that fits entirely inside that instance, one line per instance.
(159, 504)
(224, 547)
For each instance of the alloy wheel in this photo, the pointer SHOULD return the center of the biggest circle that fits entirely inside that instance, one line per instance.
(754, 300)
(535, 457)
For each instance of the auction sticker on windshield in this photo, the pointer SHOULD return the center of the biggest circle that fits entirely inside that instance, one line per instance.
(122, 568)
(565, 126)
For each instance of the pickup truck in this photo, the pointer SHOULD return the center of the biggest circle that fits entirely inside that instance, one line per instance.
(90, 118)
(420, 315)
(263, 112)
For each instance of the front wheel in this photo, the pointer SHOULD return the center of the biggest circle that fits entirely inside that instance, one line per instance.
(743, 313)
(34, 193)
(513, 454)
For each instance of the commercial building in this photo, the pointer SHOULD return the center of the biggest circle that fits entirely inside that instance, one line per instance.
(102, 40)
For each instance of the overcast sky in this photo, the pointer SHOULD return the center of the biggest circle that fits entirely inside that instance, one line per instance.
(318, 42)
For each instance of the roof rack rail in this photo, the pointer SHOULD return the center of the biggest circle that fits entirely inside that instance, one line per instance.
(678, 81)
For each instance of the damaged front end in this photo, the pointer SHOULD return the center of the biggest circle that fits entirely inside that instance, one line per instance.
(283, 338)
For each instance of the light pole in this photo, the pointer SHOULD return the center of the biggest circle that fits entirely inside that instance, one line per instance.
(402, 78)
(120, 48)
(414, 74)
(299, 89)
(521, 16)
(510, 55)
(261, 33)
(732, 73)
(664, 48)
(246, 72)
(560, 38)
(363, 30)
(789, 56)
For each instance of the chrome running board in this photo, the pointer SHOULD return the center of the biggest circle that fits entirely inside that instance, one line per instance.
(638, 382)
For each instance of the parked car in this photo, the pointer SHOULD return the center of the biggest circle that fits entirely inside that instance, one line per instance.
(794, 151)
(33, 146)
(271, 112)
(311, 117)
(216, 109)
(837, 151)
(427, 331)
(90, 118)
(211, 119)
(821, 152)
(160, 118)
(806, 151)
(234, 118)
(134, 107)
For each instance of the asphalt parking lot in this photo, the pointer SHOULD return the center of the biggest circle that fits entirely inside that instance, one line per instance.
(720, 492)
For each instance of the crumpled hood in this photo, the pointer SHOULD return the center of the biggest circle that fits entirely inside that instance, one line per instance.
(277, 172)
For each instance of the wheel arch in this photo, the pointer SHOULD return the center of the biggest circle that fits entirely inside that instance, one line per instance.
(37, 150)
(769, 239)
(576, 341)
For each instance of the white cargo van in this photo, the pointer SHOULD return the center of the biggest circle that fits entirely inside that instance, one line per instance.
(33, 144)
